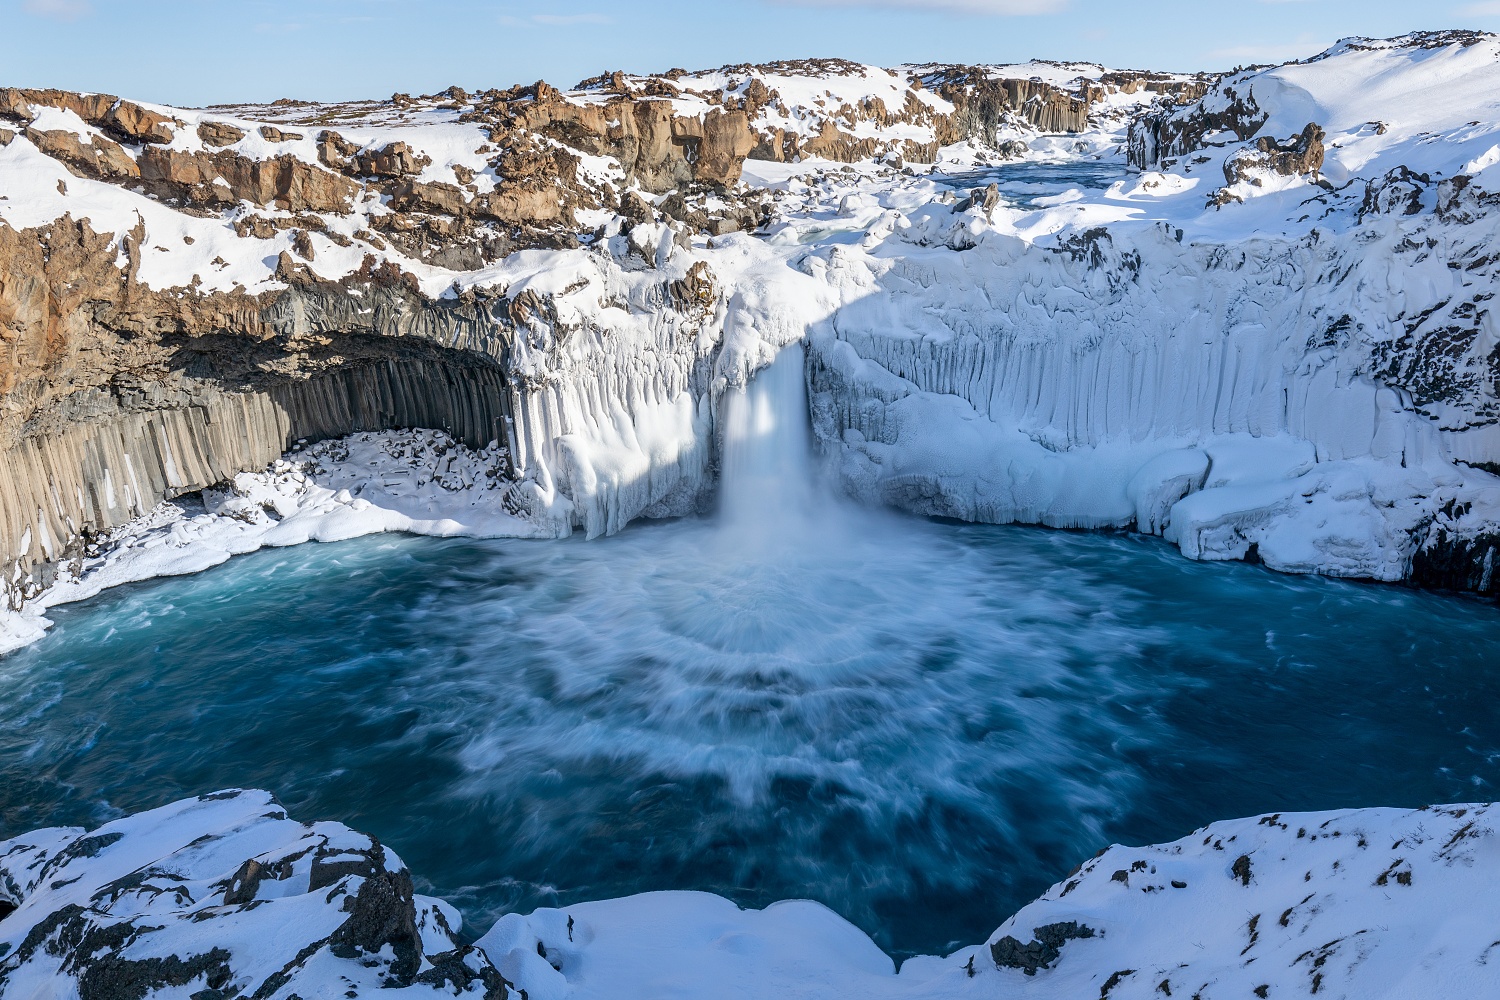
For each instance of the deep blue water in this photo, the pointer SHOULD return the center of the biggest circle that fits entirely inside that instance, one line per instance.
(921, 724)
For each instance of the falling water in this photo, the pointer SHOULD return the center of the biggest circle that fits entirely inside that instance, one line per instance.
(921, 724)
(767, 459)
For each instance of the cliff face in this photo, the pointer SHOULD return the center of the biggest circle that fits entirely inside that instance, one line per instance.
(257, 277)
(580, 275)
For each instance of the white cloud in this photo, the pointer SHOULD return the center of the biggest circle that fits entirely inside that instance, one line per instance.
(990, 7)
(1491, 8)
(61, 10)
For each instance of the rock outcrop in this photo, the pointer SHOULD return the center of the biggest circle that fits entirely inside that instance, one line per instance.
(538, 274)
(1301, 154)
(116, 913)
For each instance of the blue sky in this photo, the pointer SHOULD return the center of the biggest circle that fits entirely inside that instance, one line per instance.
(193, 52)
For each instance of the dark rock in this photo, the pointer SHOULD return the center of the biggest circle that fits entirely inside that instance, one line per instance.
(110, 977)
(244, 884)
(1041, 951)
(1301, 154)
(382, 912)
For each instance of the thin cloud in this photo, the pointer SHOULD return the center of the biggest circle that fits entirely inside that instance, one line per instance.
(554, 20)
(1263, 54)
(563, 20)
(59, 10)
(1488, 9)
(993, 8)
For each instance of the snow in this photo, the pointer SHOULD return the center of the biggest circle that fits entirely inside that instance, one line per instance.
(164, 879)
(1099, 348)
(418, 482)
(1368, 903)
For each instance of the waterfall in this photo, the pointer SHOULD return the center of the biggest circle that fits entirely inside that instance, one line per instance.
(766, 475)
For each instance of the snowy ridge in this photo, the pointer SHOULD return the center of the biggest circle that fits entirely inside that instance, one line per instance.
(225, 893)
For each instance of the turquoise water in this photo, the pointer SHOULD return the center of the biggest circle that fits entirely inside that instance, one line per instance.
(921, 724)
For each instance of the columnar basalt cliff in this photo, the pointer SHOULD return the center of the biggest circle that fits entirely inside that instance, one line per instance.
(578, 276)
(122, 390)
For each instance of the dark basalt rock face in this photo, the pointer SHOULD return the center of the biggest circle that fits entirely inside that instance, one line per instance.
(1456, 556)
(1169, 134)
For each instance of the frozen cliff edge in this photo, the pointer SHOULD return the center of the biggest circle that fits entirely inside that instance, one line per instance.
(225, 896)
(1259, 347)
(1265, 336)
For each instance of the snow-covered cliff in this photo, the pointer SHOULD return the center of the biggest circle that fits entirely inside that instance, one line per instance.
(1268, 339)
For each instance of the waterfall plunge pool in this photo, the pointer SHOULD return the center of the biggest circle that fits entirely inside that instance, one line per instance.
(922, 725)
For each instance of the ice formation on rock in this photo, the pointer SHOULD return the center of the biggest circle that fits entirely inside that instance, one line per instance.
(1268, 337)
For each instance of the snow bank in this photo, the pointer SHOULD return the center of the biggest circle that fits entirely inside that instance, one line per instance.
(226, 893)
(419, 482)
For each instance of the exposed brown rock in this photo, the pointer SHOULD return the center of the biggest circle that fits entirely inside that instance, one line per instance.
(16, 104)
(124, 120)
(100, 159)
(1301, 154)
(302, 244)
(695, 291)
(394, 160)
(271, 133)
(225, 178)
(132, 121)
(219, 134)
(726, 141)
(415, 196)
(334, 151)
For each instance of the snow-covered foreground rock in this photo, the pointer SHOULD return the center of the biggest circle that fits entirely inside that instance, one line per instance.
(224, 896)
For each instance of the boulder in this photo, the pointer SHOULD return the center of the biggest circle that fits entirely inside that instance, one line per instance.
(219, 134)
(396, 159)
(1301, 154)
(100, 159)
(131, 122)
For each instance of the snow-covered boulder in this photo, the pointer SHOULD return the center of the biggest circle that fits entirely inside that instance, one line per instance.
(223, 896)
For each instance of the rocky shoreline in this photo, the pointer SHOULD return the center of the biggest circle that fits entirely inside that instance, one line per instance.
(226, 896)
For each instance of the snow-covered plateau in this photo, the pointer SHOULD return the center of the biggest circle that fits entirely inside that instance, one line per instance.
(1249, 314)
(225, 896)
(1175, 319)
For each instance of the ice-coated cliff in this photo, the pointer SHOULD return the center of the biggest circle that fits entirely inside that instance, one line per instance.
(225, 896)
(1250, 315)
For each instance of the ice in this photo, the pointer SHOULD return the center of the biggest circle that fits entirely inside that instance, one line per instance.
(1099, 348)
